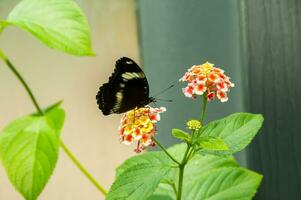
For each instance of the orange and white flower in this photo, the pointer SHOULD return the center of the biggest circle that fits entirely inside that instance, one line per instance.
(140, 125)
(207, 80)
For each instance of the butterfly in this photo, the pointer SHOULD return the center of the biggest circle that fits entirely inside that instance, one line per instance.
(127, 89)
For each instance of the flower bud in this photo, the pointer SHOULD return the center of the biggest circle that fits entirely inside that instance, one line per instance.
(194, 124)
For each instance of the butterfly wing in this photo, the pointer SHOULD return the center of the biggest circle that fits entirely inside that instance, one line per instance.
(127, 88)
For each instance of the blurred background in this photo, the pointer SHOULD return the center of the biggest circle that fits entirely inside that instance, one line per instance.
(258, 44)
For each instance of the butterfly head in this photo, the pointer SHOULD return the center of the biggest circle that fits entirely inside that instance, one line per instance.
(151, 100)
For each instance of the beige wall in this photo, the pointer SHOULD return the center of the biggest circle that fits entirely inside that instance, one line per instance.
(53, 76)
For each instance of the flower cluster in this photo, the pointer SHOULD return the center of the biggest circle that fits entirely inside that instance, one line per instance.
(208, 80)
(140, 125)
(194, 124)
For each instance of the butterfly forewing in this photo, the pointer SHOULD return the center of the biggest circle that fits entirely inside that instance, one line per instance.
(127, 88)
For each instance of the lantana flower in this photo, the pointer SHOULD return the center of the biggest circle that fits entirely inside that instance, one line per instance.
(140, 125)
(207, 80)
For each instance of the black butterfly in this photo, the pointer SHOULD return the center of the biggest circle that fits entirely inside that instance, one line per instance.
(127, 89)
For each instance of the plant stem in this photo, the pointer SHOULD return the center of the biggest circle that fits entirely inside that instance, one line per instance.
(40, 111)
(82, 169)
(21, 79)
(190, 153)
(160, 145)
(181, 173)
(204, 108)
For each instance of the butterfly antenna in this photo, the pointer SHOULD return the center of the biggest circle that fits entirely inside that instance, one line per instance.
(166, 100)
(164, 90)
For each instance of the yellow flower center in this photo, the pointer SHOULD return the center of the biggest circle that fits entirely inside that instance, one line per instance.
(148, 127)
(207, 67)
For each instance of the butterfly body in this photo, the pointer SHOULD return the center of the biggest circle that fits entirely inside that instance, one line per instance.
(127, 89)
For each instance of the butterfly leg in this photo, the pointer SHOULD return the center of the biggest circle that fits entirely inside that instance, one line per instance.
(138, 148)
(135, 114)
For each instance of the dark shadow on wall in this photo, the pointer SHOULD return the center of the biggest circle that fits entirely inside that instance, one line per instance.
(272, 38)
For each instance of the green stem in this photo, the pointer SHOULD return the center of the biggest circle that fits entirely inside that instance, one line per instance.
(204, 108)
(21, 79)
(189, 152)
(174, 188)
(181, 173)
(181, 176)
(40, 111)
(161, 146)
(189, 155)
(83, 170)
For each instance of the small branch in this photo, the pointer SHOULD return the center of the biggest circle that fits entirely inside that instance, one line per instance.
(23, 82)
(160, 145)
(83, 170)
(189, 154)
(185, 155)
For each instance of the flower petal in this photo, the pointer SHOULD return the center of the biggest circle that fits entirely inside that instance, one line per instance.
(211, 96)
(188, 91)
(222, 86)
(128, 139)
(222, 96)
(200, 89)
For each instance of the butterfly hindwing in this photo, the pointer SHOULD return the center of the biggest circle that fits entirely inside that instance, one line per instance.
(127, 88)
(103, 94)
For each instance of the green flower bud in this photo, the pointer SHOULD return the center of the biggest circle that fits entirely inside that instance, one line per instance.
(194, 124)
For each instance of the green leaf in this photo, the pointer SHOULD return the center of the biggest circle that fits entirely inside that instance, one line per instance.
(29, 150)
(177, 151)
(177, 133)
(224, 183)
(212, 143)
(150, 176)
(57, 104)
(198, 165)
(60, 24)
(163, 192)
(202, 164)
(160, 197)
(3, 24)
(236, 130)
(139, 176)
(144, 158)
